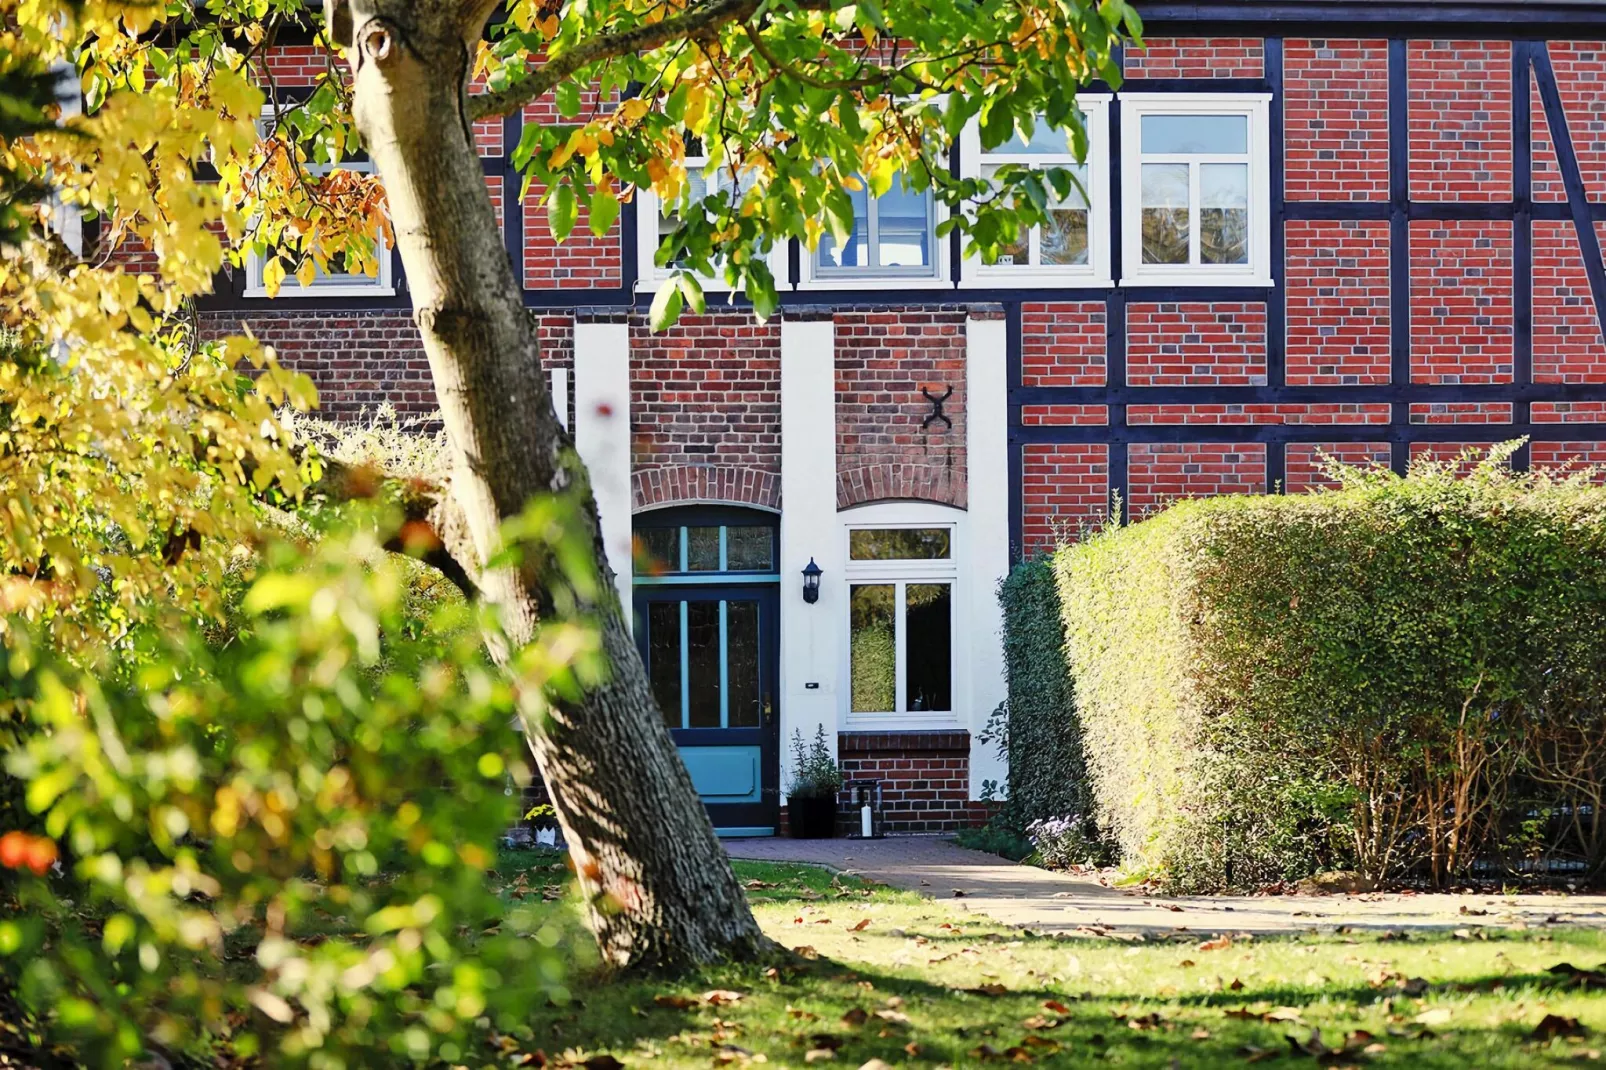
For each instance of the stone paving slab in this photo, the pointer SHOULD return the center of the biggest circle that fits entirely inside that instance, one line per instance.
(1074, 904)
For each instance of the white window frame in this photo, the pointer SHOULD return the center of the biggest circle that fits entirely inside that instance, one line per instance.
(879, 278)
(649, 276)
(1096, 272)
(349, 285)
(1254, 106)
(899, 573)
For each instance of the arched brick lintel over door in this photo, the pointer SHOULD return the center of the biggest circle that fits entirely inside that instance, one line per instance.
(688, 484)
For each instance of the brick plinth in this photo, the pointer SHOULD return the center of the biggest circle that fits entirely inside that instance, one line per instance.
(925, 779)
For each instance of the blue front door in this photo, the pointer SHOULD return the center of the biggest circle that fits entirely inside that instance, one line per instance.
(706, 623)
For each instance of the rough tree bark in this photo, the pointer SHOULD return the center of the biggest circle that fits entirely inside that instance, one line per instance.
(661, 887)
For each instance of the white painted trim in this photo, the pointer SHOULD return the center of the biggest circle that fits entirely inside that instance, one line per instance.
(560, 396)
(1096, 272)
(987, 462)
(810, 634)
(1254, 105)
(649, 275)
(953, 570)
(602, 437)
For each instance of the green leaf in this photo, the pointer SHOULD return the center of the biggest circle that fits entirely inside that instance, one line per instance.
(561, 211)
(567, 96)
(604, 210)
(666, 304)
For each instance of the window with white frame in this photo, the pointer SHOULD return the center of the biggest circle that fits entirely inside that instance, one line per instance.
(893, 236)
(656, 221)
(1196, 189)
(902, 619)
(333, 281)
(1074, 247)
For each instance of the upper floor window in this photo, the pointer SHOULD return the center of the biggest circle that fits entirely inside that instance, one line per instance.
(332, 278)
(1196, 189)
(1073, 248)
(893, 236)
(656, 221)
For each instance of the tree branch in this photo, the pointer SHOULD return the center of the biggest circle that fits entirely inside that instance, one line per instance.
(642, 38)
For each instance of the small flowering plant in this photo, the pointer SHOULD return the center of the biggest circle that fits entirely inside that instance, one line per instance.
(1063, 842)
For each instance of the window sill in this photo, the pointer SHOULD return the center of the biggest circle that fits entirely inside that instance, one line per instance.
(1203, 281)
(710, 286)
(900, 722)
(1034, 280)
(321, 291)
(876, 282)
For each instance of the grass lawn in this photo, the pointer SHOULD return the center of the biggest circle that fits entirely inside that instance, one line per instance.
(911, 982)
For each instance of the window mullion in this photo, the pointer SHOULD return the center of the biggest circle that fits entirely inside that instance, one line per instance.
(872, 227)
(1194, 258)
(900, 655)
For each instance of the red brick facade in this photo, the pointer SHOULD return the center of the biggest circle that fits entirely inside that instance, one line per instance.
(1162, 472)
(1196, 344)
(1065, 489)
(885, 357)
(1196, 57)
(1460, 118)
(925, 779)
(1337, 285)
(705, 411)
(1335, 120)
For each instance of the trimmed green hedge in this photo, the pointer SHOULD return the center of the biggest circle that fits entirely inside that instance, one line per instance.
(1047, 772)
(1406, 675)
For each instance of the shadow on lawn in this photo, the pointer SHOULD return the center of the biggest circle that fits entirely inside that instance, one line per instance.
(824, 1005)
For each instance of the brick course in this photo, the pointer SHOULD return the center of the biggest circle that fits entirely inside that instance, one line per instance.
(1567, 342)
(1461, 310)
(1196, 344)
(1580, 68)
(1196, 57)
(1065, 488)
(884, 356)
(1337, 294)
(1160, 473)
(1460, 120)
(1335, 120)
(1304, 463)
(705, 411)
(925, 779)
(1062, 344)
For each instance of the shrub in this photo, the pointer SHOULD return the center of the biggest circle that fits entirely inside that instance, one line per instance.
(281, 845)
(1062, 842)
(1364, 678)
(814, 772)
(1042, 735)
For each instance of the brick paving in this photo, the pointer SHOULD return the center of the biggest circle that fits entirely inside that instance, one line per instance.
(1081, 905)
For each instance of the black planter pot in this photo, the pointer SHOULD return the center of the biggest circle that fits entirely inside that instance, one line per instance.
(811, 818)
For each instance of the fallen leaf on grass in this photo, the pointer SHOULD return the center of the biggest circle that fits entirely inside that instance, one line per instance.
(805, 951)
(855, 1017)
(719, 997)
(814, 1055)
(829, 1041)
(1573, 975)
(1200, 1034)
(991, 988)
(895, 1017)
(1220, 943)
(864, 923)
(757, 884)
(1554, 1025)
(1046, 1045)
(875, 1064)
(1433, 1016)
(679, 1003)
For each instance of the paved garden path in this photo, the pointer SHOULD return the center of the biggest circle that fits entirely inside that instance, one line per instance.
(1080, 905)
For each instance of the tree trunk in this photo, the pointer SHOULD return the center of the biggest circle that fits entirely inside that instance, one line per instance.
(661, 889)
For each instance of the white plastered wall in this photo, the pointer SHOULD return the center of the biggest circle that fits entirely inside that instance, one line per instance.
(986, 417)
(602, 436)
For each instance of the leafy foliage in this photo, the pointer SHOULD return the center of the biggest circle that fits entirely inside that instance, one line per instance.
(1382, 678)
(280, 845)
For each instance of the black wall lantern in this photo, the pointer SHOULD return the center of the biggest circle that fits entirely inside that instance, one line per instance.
(811, 582)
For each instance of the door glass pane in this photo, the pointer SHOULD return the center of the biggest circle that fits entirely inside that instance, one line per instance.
(750, 549)
(1195, 133)
(1224, 213)
(657, 551)
(928, 647)
(899, 544)
(703, 651)
(904, 220)
(856, 253)
(702, 549)
(873, 649)
(741, 663)
(663, 658)
(1165, 213)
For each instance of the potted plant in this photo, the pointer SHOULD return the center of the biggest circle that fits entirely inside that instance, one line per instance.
(811, 799)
